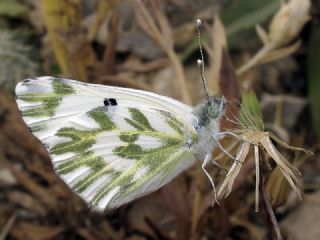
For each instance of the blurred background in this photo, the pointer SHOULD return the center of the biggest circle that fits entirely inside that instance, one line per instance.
(271, 47)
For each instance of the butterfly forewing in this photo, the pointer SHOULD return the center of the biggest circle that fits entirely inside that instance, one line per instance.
(110, 145)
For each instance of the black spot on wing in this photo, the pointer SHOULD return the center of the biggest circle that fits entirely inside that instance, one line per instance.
(110, 102)
(113, 102)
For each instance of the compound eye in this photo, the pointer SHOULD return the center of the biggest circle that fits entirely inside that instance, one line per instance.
(213, 111)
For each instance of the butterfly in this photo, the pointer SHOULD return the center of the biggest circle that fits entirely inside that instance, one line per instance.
(112, 145)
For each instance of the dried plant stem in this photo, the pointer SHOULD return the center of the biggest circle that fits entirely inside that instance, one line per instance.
(72, 50)
(103, 9)
(180, 76)
(257, 165)
(108, 66)
(284, 28)
(57, 16)
(7, 227)
(271, 218)
(218, 45)
(285, 145)
(195, 214)
(161, 34)
(255, 60)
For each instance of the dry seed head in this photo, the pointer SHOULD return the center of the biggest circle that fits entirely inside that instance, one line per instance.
(253, 135)
(288, 22)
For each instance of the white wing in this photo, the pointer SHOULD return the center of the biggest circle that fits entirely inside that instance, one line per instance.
(108, 154)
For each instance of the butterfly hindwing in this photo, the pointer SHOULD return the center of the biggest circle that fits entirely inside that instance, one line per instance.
(108, 153)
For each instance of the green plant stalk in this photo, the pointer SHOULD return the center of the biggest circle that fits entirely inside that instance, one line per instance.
(314, 77)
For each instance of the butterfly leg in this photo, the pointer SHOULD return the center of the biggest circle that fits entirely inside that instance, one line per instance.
(214, 136)
(214, 162)
(223, 134)
(204, 164)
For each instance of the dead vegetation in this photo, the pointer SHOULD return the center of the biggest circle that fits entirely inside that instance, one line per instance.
(134, 44)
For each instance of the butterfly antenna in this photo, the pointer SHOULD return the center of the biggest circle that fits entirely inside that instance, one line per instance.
(201, 61)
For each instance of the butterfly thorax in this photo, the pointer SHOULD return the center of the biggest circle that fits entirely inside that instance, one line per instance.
(208, 114)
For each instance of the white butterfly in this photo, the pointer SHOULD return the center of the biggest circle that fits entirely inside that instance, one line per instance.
(112, 145)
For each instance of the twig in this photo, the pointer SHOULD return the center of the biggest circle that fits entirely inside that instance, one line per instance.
(271, 218)
(7, 227)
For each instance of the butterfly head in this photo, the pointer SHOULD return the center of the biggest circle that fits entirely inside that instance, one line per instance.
(215, 107)
(210, 110)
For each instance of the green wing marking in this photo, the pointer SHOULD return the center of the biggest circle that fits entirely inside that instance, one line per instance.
(50, 101)
(139, 121)
(82, 140)
(157, 162)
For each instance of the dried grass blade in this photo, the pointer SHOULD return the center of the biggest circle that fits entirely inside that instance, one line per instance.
(257, 163)
(280, 53)
(228, 182)
(162, 21)
(286, 168)
(282, 143)
(146, 21)
(262, 34)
